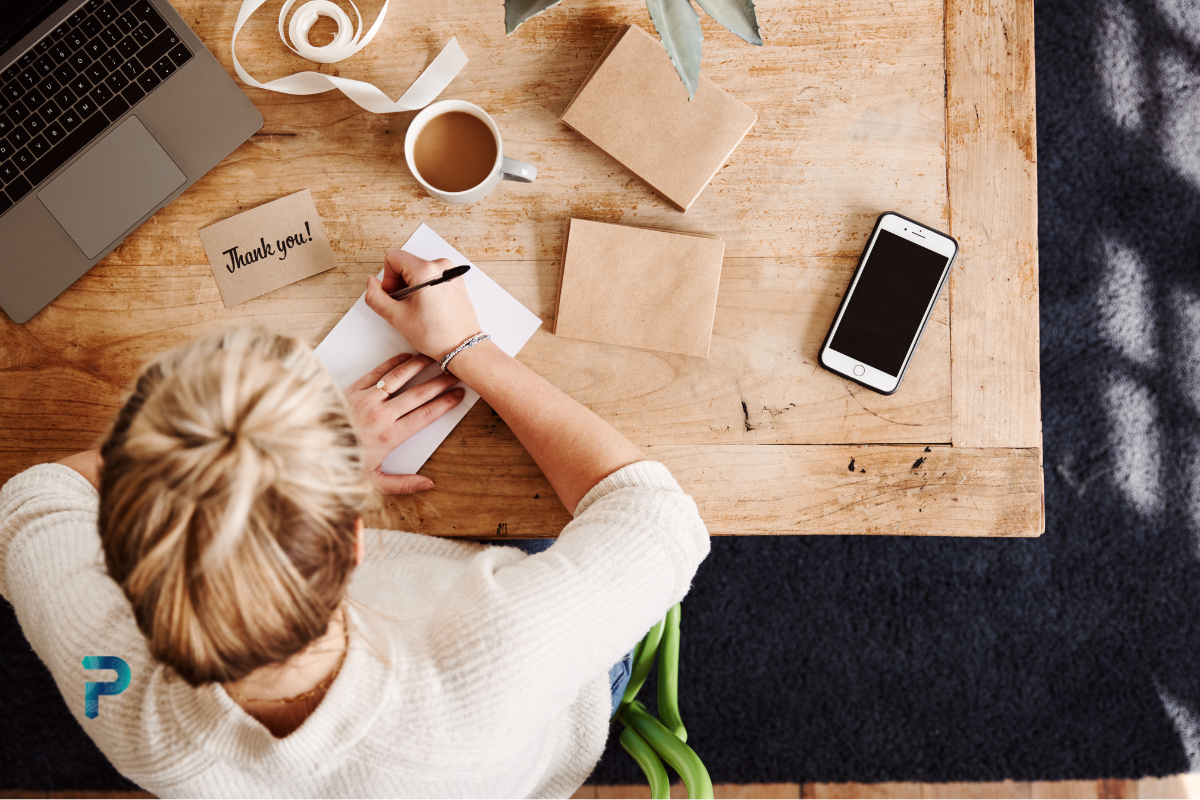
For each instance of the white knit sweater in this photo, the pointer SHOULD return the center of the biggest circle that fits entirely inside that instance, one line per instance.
(473, 671)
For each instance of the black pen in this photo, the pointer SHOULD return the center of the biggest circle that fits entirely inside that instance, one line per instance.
(448, 275)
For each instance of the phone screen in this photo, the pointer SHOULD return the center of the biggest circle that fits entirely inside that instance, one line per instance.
(889, 302)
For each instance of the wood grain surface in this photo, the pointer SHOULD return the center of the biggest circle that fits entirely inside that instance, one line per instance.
(852, 122)
(1177, 786)
(761, 489)
(992, 162)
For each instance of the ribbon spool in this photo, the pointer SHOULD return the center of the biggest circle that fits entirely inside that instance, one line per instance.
(348, 41)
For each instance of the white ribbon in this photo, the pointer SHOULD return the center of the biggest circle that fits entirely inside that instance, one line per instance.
(424, 89)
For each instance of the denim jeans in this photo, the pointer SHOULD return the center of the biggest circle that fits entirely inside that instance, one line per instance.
(618, 676)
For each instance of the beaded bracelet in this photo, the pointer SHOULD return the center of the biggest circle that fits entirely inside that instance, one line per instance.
(476, 339)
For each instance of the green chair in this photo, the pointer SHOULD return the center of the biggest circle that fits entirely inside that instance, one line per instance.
(652, 741)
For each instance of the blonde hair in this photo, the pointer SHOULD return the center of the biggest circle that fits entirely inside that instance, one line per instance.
(229, 498)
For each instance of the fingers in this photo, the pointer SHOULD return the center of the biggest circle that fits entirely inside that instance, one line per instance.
(401, 484)
(421, 394)
(378, 301)
(418, 420)
(372, 377)
(401, 268)
(403, 373)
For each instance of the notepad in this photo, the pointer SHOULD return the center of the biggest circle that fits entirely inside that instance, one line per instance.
(362, 340)
(639, 287)
(633, 106)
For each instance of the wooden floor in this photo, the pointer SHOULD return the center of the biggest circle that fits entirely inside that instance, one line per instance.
(1176, 786)
(1172, 787)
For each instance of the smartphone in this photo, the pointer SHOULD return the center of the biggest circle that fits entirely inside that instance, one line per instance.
(883, 313)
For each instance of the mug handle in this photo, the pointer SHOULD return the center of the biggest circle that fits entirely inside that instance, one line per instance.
(513, 170)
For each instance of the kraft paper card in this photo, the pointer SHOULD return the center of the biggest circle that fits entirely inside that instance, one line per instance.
(639, 287)
(362, 340)
(267, 247)
(634, 107)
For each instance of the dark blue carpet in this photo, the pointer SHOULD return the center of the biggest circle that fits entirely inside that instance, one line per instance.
(870, 659)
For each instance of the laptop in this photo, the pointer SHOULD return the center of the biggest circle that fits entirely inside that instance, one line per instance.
(109, 110)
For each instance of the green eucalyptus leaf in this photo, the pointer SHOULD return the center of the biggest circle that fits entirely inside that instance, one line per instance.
(517, 11)
(678, 26)
(736, 15)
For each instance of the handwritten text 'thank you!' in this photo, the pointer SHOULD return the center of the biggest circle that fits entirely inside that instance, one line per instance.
(280, 248)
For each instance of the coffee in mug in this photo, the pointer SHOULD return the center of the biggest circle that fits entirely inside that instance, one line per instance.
(453, 149)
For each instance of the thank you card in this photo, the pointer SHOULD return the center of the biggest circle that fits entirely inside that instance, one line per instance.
(267, 247)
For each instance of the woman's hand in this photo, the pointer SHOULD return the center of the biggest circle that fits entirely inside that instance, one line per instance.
(434, 320)
(384, 420)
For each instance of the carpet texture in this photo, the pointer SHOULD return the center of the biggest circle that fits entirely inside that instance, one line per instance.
(869, 659)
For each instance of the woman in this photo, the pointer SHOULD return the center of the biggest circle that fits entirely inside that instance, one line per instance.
(276, 648)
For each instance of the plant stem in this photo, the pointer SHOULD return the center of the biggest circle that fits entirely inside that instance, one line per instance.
(648, 760)
(678, 755)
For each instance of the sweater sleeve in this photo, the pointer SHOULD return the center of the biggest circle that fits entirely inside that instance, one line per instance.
(52, 572)
(531, 631)
(46, 500)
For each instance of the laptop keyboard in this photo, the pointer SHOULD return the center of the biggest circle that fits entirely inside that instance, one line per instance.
(76, 81)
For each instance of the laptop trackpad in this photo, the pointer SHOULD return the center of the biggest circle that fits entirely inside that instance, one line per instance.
(112, 186)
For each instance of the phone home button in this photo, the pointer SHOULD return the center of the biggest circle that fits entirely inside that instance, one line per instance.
(859, 369)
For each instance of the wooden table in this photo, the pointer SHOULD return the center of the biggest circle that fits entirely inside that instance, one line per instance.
(863, 107)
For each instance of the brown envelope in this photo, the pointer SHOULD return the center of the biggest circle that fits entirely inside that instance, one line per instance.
(267, 247)
(634, 107)
(639, 287)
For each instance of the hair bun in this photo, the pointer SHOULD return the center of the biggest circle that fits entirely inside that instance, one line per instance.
(229, 498)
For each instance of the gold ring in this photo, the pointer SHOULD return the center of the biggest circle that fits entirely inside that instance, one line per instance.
(382, 385)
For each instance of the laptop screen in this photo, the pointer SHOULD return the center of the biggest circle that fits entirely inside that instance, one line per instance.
(19, 17)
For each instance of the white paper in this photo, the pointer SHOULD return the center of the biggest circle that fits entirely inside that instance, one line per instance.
(362, 340)
(430, 84)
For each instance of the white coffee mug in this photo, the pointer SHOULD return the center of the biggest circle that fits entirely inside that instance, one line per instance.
(504, 169)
